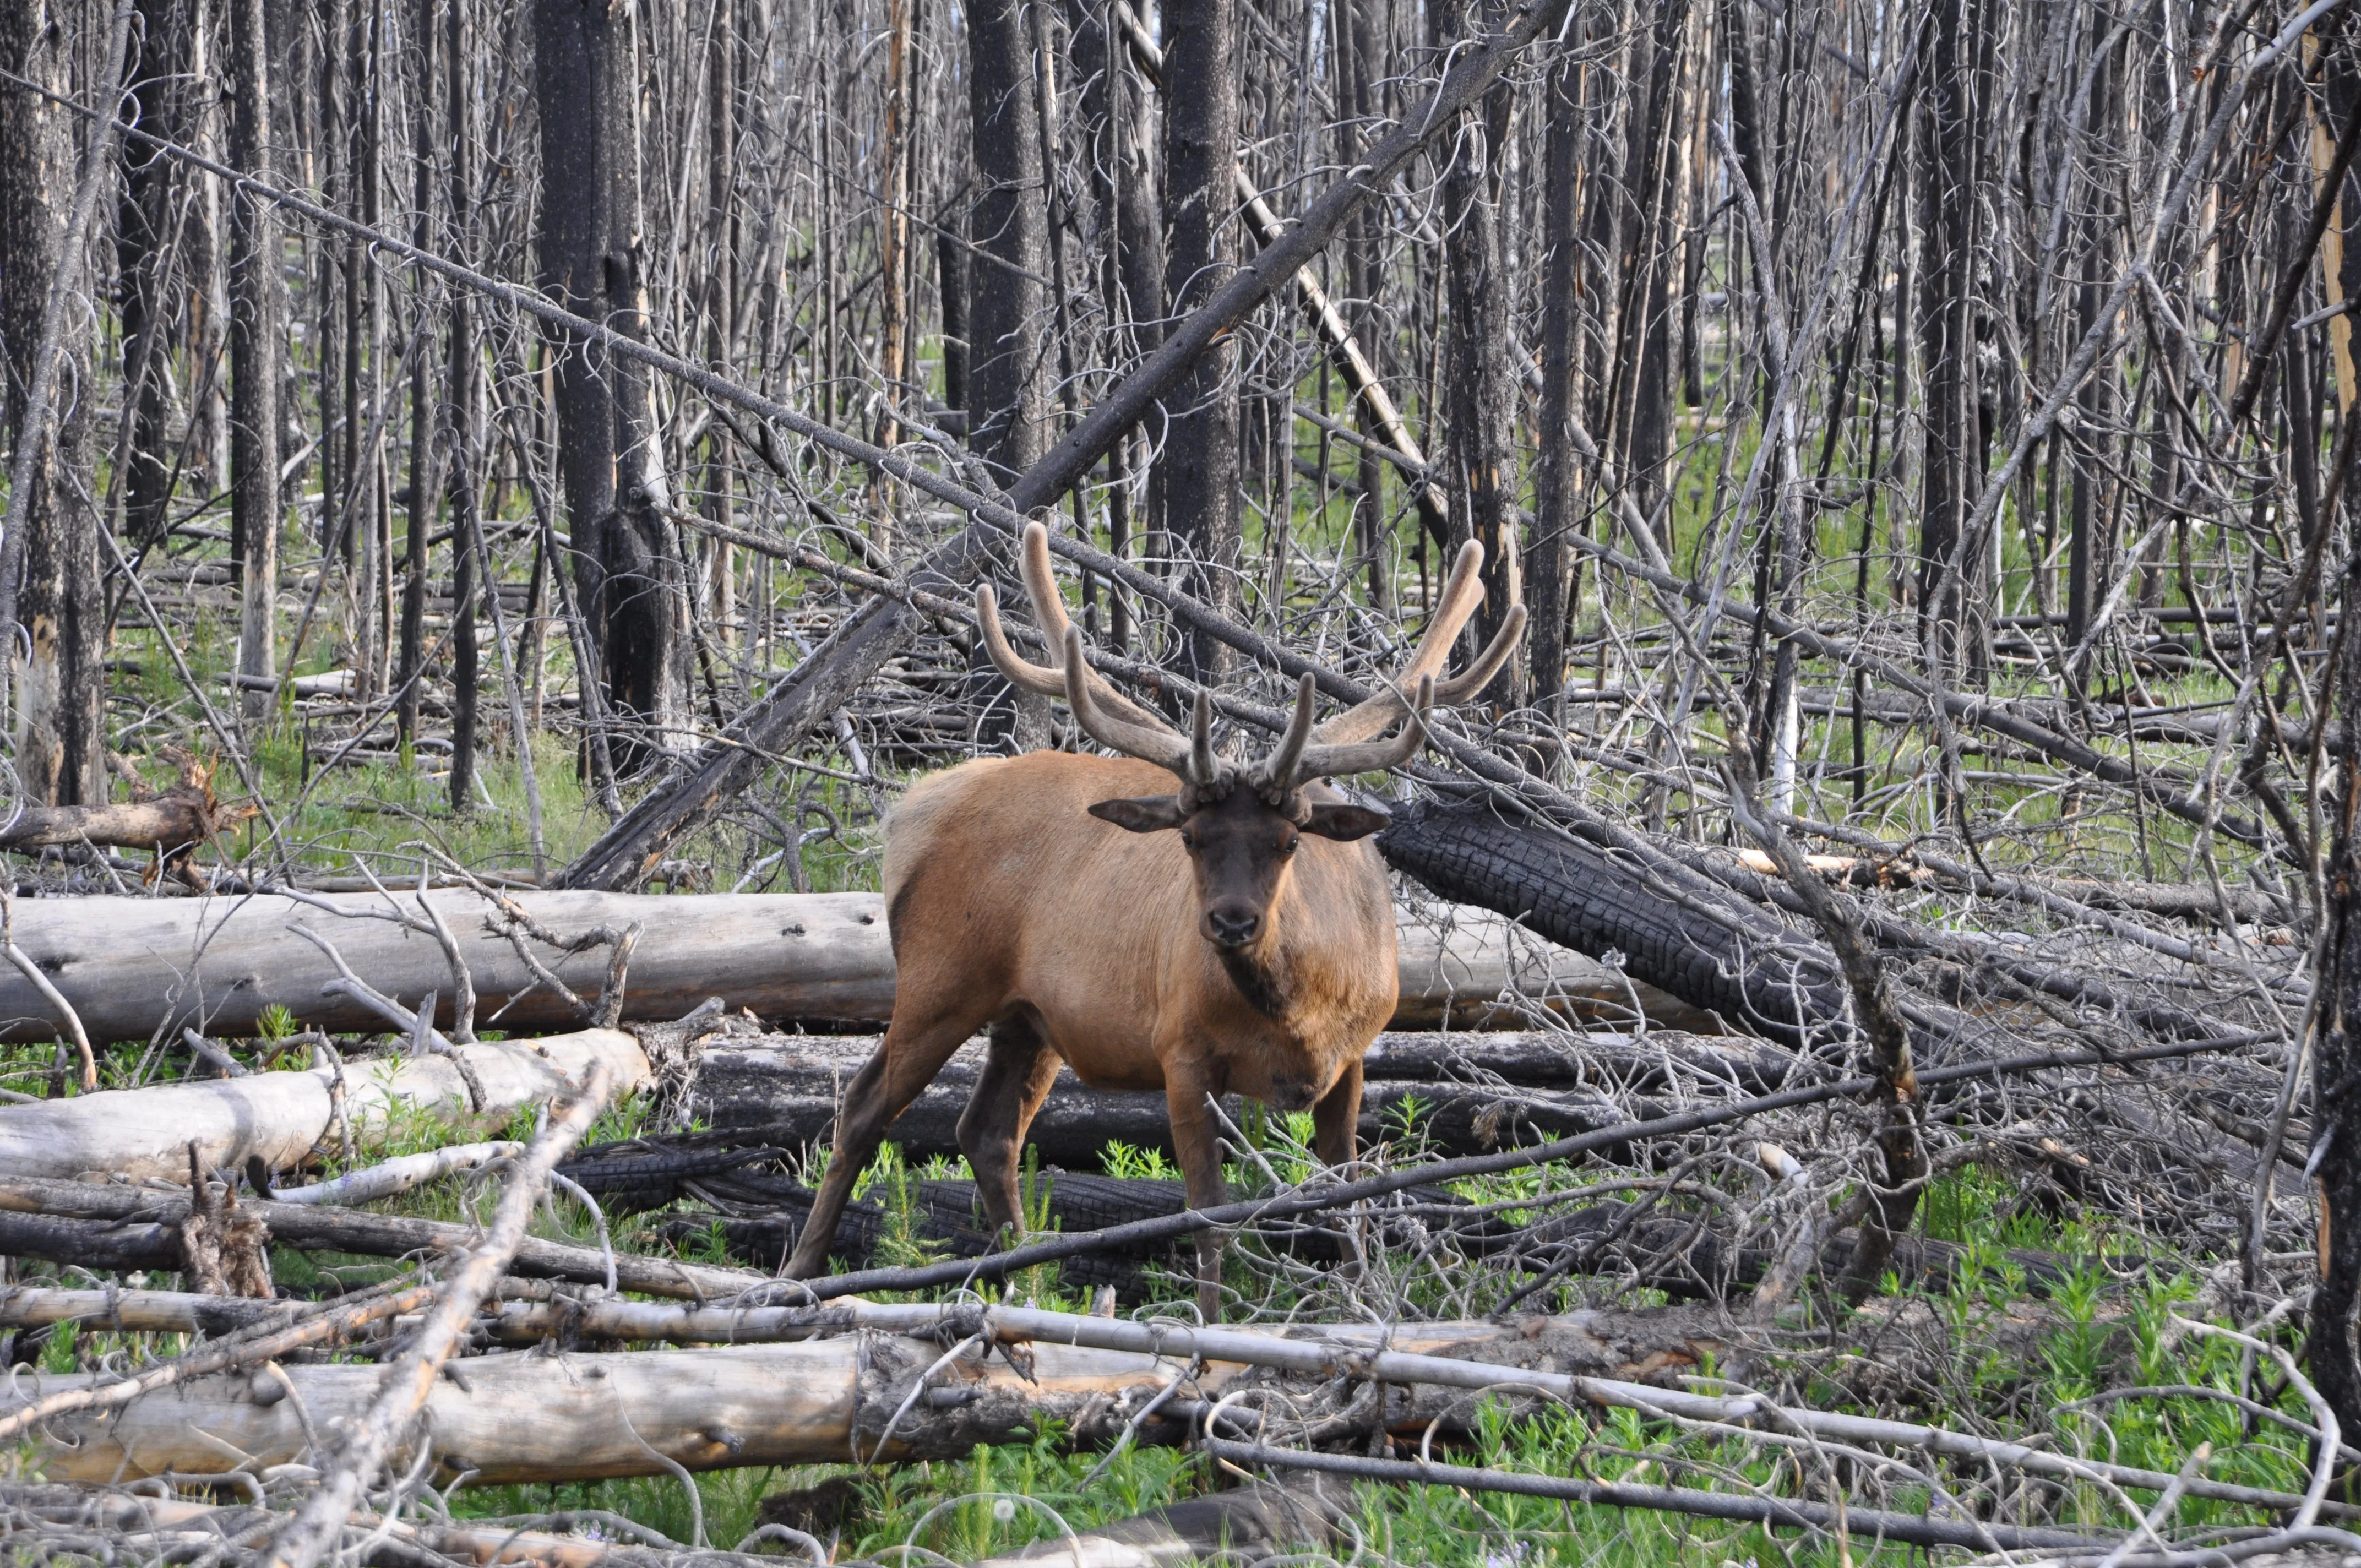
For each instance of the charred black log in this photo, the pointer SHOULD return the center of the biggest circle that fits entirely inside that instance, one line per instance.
(1737, 962)
(1433, 1093)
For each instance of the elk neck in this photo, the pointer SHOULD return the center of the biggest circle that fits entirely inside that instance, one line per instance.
(1263, 977)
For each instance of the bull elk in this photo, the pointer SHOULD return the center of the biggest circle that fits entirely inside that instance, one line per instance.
(1235, 936)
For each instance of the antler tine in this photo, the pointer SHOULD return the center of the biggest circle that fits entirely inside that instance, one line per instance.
(1459, 688)
(1157, 744)
(1462, 592)
(1048, 604)
(1040, 679)
(1371, 756)
(1275, 775)
(1204, 768)
(1049, 615)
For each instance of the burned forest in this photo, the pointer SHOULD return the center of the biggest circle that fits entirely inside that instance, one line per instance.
(1655, 854)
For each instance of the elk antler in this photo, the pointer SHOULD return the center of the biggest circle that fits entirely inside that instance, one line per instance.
(1324, 762)
(1296, 763)
(1192, 758)
(1462, 592)
(1049, 615)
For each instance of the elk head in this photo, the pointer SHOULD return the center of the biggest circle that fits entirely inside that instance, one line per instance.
(1242, 822)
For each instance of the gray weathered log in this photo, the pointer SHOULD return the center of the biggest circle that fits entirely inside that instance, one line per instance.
(280, 1117)
(218, 964)
(530, 1417)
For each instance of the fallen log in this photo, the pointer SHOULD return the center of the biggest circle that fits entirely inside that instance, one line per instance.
(1732, 961)
(131, 965)
(784, 1090)
(520, 1417)
(172, 821)
(127, 1227)
(219, 964)
(551, 1415)
(280, 1117)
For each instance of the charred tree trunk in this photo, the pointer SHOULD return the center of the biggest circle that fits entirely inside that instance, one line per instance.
(1007, 406)
(1552, 583)
(58, 602)
(144, 235)
(417, 554)
(1360, 48)
(257, 346)
(2334, 1359)
(2336, 1072)
(627, 565)
(465, 421)
(1483, 389)
(1734, 961)
(952, 282)
(1950, 580)
(1197, 479)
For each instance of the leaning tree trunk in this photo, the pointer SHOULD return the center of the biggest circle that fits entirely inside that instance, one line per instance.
(1198, 479)
(257, 346)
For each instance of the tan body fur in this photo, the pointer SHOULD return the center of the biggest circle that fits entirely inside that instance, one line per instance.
(1011, 908)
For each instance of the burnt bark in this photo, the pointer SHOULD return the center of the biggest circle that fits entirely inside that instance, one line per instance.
(465, 421)
(61, 694)
(425, 486)
(1482, 395)
(1736, 962)
(1951, 573)
(145, 236)
(627, 563)
(1006, 373)
(1553, 585)
(257, 345)
(1197, 478)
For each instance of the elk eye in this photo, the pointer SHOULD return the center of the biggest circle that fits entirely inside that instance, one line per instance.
(1188, 840)
(1288, 847)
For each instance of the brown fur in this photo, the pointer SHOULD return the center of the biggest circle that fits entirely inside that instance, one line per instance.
(1071, 938)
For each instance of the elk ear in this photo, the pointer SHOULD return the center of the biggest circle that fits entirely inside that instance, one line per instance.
(1142, 813)
(1345, 823)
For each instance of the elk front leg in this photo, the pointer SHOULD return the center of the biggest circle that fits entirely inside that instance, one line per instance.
(905, 1062)
(1337, 1118)
(1189, 1090)
(1016, 1078)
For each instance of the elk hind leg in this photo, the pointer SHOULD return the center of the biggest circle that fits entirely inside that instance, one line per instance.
(1018, 1074)
(907, 1061)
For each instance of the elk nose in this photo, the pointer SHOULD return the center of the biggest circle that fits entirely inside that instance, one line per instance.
(1233, 927)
